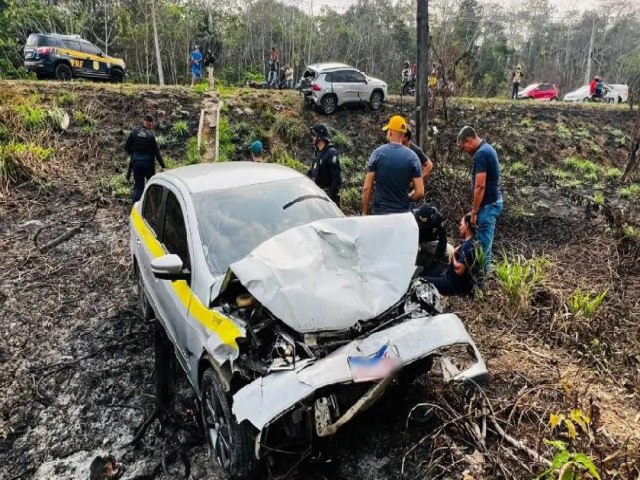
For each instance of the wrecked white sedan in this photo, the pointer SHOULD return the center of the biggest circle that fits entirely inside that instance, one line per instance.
(287, 317)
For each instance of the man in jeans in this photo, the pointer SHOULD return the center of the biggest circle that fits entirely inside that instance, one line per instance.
(487, 197)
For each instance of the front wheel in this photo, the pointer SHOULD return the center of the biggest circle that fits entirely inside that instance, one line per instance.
(63, 72)
(117, 76)
(230, 445)
(376, 101)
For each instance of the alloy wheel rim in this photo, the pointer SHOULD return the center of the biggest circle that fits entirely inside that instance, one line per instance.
(218, 432)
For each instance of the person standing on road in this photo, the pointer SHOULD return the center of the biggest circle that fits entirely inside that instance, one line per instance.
(143, 148)
(459, 277)
(325, 169)
(390, 169)
(196, 65)
(427, 165)
(487, 197)
(516, 78)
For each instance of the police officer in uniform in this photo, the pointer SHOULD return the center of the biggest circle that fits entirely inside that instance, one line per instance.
(325, 169)
(143, 148)
(432, 237)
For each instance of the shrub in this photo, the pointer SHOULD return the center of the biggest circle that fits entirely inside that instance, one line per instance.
(180, 128)
(289, 129)
(563, 132)
(82, 118)
(612, 172)
(350, 200)
(226, 147)
(632, 191)
(585, 304)
(283, 158)
(34, 118)
(520, 277)
(66, 99)
(194, 153)
(582, 166)
(20, 162)
(342, 141)
(518, 168)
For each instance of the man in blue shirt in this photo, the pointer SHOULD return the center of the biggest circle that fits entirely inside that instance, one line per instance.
(391, 169)
(459, 277)
(487, 197)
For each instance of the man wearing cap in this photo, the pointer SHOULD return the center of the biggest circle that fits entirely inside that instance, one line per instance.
(325, 168)
(427, 165)
(485, 181)
(256, 151)
(143, 148)
(390, 169)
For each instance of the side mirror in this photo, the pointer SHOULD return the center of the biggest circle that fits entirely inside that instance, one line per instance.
(169, 267)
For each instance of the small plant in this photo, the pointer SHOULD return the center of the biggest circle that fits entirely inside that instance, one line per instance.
(88, 130)
(226, 147)
(612, 173)
(631, 232)
(201, 87)
(598, 198)
(567, 465)
(346, 162)
(562, 131)
(58, 118)
(180, 128)
(586, 304)
(34, 118)
(283, 158)
(580, 165)
(342, 141)
(20, 162)
(292, 130)
(572, 184)
(559, 174)
(66, 99)
(350, 200)
(526, 122)
(518, 168)
(119, 187)
(632, 191)
(82, 118)
(520, 277)
(194, 152)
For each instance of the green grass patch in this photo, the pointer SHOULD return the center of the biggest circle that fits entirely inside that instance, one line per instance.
(580, 165)
(67, 99)
(194, 153)
(585, 304)
(180, 128)
(631, 232)
(283, 158)
(526, 122)
(200, 88)
(560, 174)
(82, 118)
(21, 162)
(631, 191)
(290, 129)
(598, 198)
(341, 141)
(520, 277)
(351, 200)
(518, 168)
(612, 173)
(117, 186)
(226, 148)
(562, 131)
(33, 117)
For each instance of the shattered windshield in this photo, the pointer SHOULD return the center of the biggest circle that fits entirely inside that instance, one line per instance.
(235, 221)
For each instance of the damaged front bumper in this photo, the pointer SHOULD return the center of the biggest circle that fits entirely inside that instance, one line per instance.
(268, 398)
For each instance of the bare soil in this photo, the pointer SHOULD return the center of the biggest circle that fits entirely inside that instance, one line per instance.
(76, 371)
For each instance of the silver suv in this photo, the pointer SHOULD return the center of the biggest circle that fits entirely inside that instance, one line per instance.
(335, 84)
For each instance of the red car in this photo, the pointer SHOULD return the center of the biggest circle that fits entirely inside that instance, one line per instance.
(540, 91)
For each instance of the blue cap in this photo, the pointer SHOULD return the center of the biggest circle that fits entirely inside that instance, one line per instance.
(256, 147)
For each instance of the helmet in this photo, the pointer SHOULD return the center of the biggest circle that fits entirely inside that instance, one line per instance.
(321, 131)
(597, 78)
(406, 63)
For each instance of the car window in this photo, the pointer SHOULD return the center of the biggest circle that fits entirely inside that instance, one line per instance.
(34, 40)
(174, 231)
(340, 77)
(71, 44)
(88, 48)
(355, 77)
(235, 221)
(151, 207)
(328, 77)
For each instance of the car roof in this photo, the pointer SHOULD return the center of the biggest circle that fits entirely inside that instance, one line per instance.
(59, 35)
(324, 67)
(204, 177)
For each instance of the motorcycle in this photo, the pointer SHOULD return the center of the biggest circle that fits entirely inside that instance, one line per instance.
(408, 83)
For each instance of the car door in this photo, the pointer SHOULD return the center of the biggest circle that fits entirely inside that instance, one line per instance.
(174, 296)
(358, 91)
(340, 86)
(93, 63)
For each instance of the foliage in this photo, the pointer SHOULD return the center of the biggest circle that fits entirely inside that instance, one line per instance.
(194, 153)
(612, 172)
(631, 232)
(341, 141)
(632, 191)
(116, 186)
(66, 99)
(562, 131)
(350, 200)
(283, 158)
(201, 87)
(226, 147)
(34, 117)
(598, 198)
(567, 465)
(517, 168)
(180, 128)
(586, 304)
(290, 129)
(21, 162)
(82, 118)
(520, 277)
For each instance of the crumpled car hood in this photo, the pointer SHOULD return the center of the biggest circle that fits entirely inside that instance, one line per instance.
(332, 273)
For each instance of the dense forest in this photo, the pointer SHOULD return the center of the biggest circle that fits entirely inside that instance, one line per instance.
(477, 44)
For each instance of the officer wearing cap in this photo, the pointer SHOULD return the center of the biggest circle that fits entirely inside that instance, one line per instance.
(325, 169)
(143, 148)
(390, 169)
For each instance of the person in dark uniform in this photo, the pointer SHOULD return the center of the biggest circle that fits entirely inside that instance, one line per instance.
(325, 169)
(432, 237)
(143, 148)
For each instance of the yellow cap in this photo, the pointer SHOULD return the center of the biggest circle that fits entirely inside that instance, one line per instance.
(397, 124)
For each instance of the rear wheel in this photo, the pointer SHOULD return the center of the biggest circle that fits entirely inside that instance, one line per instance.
(329, 104)
(376, 100)
(117, 76)
(63, 72)
(230, 445)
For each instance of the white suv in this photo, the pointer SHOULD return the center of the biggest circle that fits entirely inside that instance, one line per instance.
(336, 84)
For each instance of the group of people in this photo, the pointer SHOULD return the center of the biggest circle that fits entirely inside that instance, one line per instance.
(197, 61)
(394, 183)
(278, 76)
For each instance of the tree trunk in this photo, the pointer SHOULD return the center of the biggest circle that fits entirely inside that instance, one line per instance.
(634, 151)
(157, 43)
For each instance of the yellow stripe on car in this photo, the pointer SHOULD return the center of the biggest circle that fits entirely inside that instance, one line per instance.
(210, 319)
(89, 56)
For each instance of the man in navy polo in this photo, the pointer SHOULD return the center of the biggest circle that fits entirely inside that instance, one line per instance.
(487, 197)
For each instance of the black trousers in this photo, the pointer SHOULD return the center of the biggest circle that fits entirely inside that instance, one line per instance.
(514, 91)
(141, 173)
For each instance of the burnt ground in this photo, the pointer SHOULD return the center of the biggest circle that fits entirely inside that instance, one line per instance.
(76, 369)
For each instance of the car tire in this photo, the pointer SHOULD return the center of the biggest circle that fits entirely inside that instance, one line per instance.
(230, 444)
(117, 76)
(146, 311)
(329, 104)
(63, 72)
(375, 102)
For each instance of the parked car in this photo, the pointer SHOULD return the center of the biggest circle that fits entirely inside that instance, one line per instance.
(336, 84)
(67, 56)
(621, 90)
(582, 94)
(287, 317)
(539, 91)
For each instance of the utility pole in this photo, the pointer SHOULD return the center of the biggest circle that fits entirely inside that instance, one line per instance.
(587, 77)
(422, 90)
